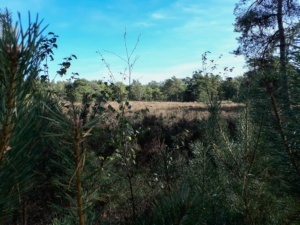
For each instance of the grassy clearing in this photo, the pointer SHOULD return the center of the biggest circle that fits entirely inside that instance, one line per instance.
(181, 110)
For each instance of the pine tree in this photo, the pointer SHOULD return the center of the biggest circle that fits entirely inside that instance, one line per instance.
(21, 109)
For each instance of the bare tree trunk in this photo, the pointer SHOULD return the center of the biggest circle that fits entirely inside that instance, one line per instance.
(283, 61)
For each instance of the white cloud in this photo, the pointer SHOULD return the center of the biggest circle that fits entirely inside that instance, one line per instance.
(158, 16)
(161, 73)
(193, 10)
(194, 23)
(183, 69)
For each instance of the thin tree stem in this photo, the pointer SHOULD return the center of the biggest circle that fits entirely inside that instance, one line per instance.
(10, 103)
(78, 155)
(282, 134)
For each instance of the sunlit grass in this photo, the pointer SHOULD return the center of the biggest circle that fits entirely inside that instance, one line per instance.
(180, 110)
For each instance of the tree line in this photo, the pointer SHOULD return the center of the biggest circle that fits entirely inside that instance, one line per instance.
(190, 89)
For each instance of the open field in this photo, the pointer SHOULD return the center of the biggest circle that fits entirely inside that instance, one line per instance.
(181, 110)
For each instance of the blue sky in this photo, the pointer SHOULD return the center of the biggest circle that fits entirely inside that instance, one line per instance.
(174, 34)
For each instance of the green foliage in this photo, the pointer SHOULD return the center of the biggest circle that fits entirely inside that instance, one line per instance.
(137, 91)
(18, 164)
(258, 25)
(156, 91)
(230, 89)
(206, 85)
(192, 89)
(172, 209)
(173, 89)
(74, 166)
(21, 107)
(67, 156)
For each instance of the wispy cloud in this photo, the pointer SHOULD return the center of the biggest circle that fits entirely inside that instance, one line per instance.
(181, 70)
(193, 9)
(143, 24)
(159, 16)
(174, 33)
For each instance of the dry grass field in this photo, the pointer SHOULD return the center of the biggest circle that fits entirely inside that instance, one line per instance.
(180, 110)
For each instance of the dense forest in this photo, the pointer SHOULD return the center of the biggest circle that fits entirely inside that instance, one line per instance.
(77, 152)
